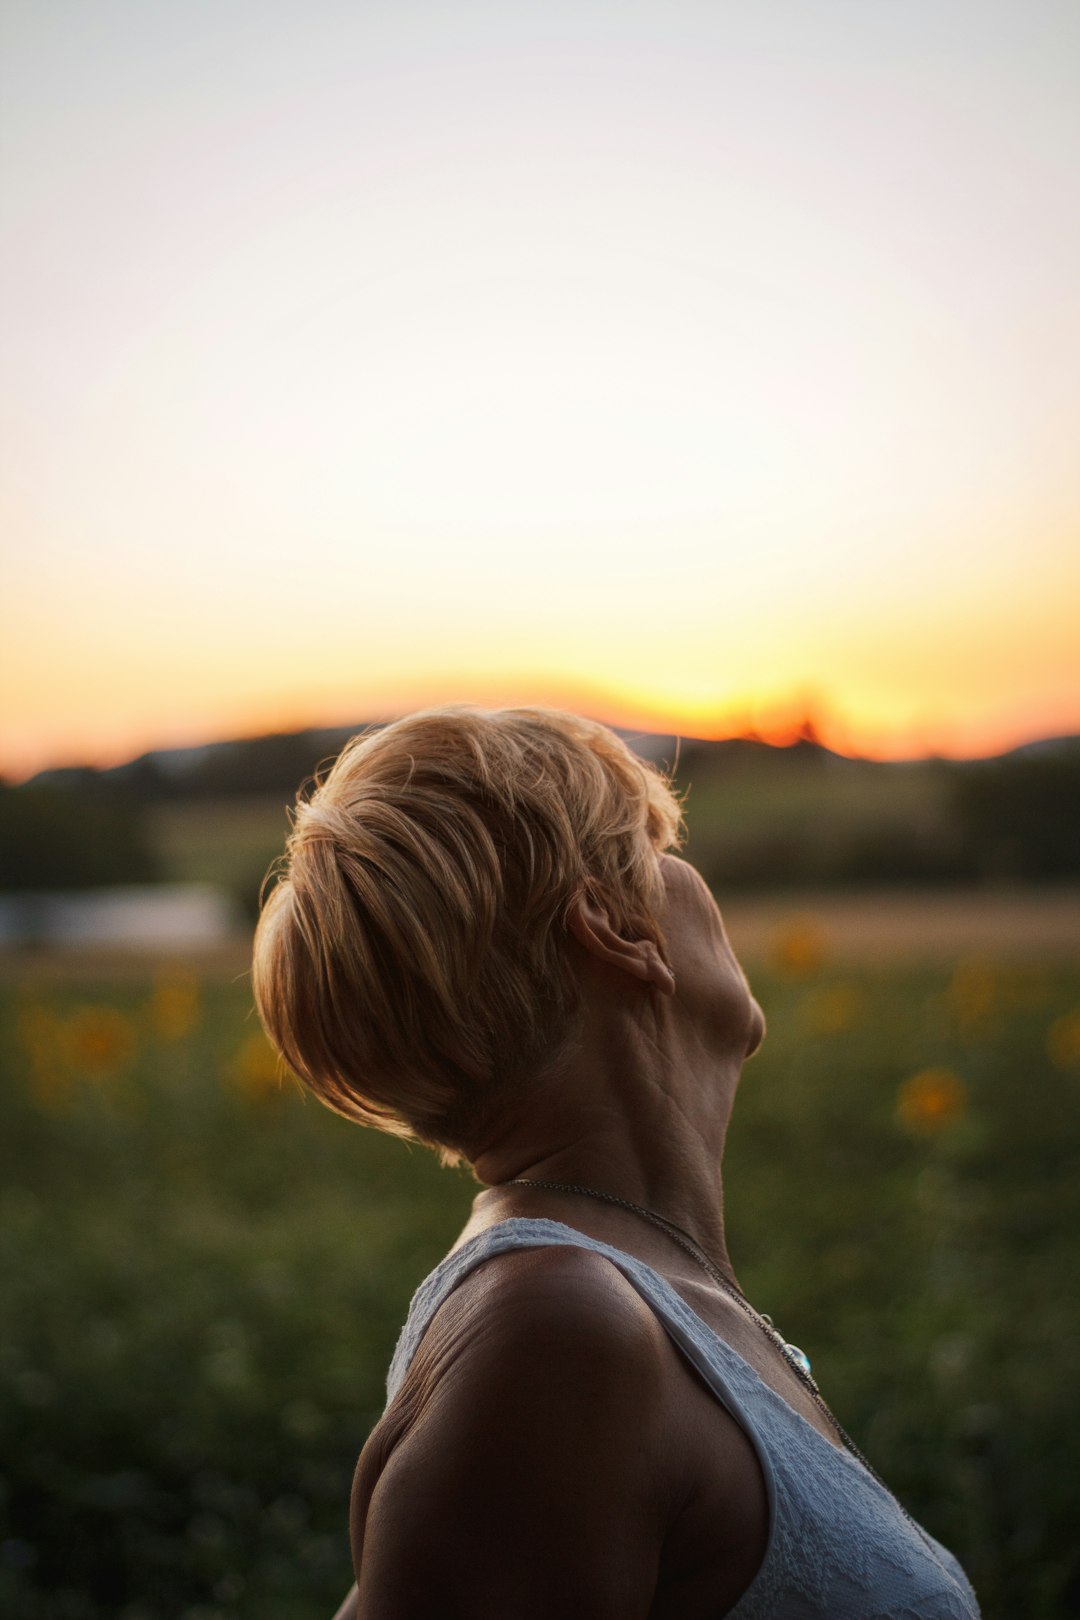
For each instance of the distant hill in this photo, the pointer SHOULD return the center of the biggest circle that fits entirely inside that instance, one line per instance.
(245, 767)
(278, 762)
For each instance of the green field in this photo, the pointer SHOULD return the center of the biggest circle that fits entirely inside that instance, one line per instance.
(755, 821)
(227, 842)
(203, 1277)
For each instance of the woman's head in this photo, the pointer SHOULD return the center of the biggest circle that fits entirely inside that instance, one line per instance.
(411, 963)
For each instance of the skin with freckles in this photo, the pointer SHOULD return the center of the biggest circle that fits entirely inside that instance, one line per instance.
(550, 1454)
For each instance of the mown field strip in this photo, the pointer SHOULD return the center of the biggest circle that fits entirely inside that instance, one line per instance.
(882, 926)
(888, 926)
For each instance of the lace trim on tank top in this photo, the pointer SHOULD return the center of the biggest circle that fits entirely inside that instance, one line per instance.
(839, 1546)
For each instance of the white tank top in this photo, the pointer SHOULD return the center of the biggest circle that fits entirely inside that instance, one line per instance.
(839, 1545)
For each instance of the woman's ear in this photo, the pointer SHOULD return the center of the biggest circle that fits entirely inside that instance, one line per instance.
(592, 928)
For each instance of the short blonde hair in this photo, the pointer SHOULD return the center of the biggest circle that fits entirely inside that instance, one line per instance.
(410, 963)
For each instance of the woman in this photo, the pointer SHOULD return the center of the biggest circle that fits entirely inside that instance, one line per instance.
(481, 941)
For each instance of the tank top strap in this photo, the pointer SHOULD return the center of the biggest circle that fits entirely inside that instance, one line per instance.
(696, 1340)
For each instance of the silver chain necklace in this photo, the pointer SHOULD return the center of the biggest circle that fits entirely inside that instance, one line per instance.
(796, 1360)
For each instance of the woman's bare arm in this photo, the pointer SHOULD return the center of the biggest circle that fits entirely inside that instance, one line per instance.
(529, 1476)
(349, 1609)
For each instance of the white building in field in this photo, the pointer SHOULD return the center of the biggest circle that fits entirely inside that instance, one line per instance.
(167, 916)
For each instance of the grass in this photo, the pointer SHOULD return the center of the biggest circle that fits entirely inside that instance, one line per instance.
(204, 1276)
(230, 842)
(768, 820)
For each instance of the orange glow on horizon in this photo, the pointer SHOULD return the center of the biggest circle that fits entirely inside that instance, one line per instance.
(778, 721)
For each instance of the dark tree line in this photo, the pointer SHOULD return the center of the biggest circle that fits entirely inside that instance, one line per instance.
(73, 837)
(1012, 819)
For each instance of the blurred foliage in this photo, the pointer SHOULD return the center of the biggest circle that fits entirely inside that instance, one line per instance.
(1022, 814)
(204, 1275)
(229, 842)
(73, 836)
(203, 1280)
(762, 817)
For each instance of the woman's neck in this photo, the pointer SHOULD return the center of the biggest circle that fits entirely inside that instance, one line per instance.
(635, 1137)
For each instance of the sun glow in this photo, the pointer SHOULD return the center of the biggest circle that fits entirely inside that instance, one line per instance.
(693, 373)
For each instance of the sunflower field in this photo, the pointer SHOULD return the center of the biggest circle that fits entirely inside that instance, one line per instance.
(204, 1273)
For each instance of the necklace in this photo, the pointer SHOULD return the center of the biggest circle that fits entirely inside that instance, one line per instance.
(795, 1358)
(678, 1234)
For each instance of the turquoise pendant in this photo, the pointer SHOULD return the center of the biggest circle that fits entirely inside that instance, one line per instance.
(798, 1357)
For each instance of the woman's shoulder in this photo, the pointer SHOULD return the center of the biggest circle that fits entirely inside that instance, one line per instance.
(529, 1316)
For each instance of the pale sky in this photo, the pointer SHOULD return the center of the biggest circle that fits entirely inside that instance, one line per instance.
(688, 362)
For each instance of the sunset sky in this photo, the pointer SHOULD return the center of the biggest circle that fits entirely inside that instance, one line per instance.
(694, 364)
